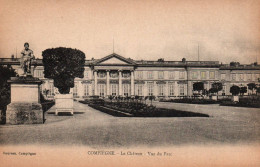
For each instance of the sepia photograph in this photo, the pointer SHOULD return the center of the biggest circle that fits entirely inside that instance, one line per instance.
(129, 83)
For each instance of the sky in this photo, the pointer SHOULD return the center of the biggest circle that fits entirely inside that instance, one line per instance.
(220, 30)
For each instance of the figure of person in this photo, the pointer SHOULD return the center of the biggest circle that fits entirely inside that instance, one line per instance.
(26, 57)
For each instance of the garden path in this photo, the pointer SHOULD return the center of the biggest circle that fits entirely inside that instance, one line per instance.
(93, 128)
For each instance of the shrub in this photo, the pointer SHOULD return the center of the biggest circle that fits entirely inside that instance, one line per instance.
(251, 86)
(243, 90)
(234, 90)
(198, 86)
(258, 89)
(217, 86)
(5, 97)
(63, 65)
(213, 90)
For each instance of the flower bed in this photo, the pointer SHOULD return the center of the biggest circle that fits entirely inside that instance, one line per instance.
(191, 101)
(93, 101)
(137, 109)
(110, 111)
(241, 104)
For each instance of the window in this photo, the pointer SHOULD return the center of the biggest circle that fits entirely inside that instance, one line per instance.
(233, 77)
(113, 74)
(224, 90)
(139, 89)
(139, 74)
(86, 90)
(38, 73)
(222, 76)
(181, 89)
(113, 89)
(203, 75)
(75, 89)
(181, 74)
(41, 88)
(212, 75)
(126, 74)
(171, 89)
(51, 90)
(257, 77)
(101, 89)
(241, 77)
(126, 89)
(249, 77)
(254, 77)
(149, 75)
(171, 74)
(150, 89)
(160, 75)
(101, 74)
(194, 74)
(86, 74)
(161, 89)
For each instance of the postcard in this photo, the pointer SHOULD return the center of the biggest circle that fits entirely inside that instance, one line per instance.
(129, 83)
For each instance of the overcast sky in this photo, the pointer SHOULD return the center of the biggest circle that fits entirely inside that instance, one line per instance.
(142, 29)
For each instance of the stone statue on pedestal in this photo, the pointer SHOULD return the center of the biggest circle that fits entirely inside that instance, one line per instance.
(25, 106)
(26, 58)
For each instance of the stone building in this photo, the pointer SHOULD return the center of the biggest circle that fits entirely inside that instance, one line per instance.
(117, 75)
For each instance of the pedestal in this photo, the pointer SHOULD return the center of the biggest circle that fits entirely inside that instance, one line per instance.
(64, 103)
(213, 97)
(235, 98)
(25, 107)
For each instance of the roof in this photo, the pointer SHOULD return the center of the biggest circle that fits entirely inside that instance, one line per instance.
(128, 61)
(240, 67)
(145, 63)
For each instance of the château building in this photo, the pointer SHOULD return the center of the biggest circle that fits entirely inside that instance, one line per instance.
(117, 75)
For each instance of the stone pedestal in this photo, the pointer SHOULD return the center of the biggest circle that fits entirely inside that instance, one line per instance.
(214, 97)
(25, 107)
(235, 98)
(64, 103)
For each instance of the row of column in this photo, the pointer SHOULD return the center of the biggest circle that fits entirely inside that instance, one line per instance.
(108, 82)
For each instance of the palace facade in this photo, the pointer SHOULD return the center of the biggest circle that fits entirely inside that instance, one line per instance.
(116, 75)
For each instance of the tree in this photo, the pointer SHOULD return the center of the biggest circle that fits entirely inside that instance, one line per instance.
(5, 91)
(136, 97)
(110, 98)
(205, 92)
(234, 90)
(63, 65)
(146, 97)
(151, 98)
(5, 74)
(198, 86)
(218, 86)
(243, 90)
(127, 99)
(213, 90)
(251, 86)
(258, 90)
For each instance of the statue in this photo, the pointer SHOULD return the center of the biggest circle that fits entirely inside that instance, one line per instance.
(26, 57)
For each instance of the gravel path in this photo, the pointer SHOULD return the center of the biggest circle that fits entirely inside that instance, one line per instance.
(231, 125)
